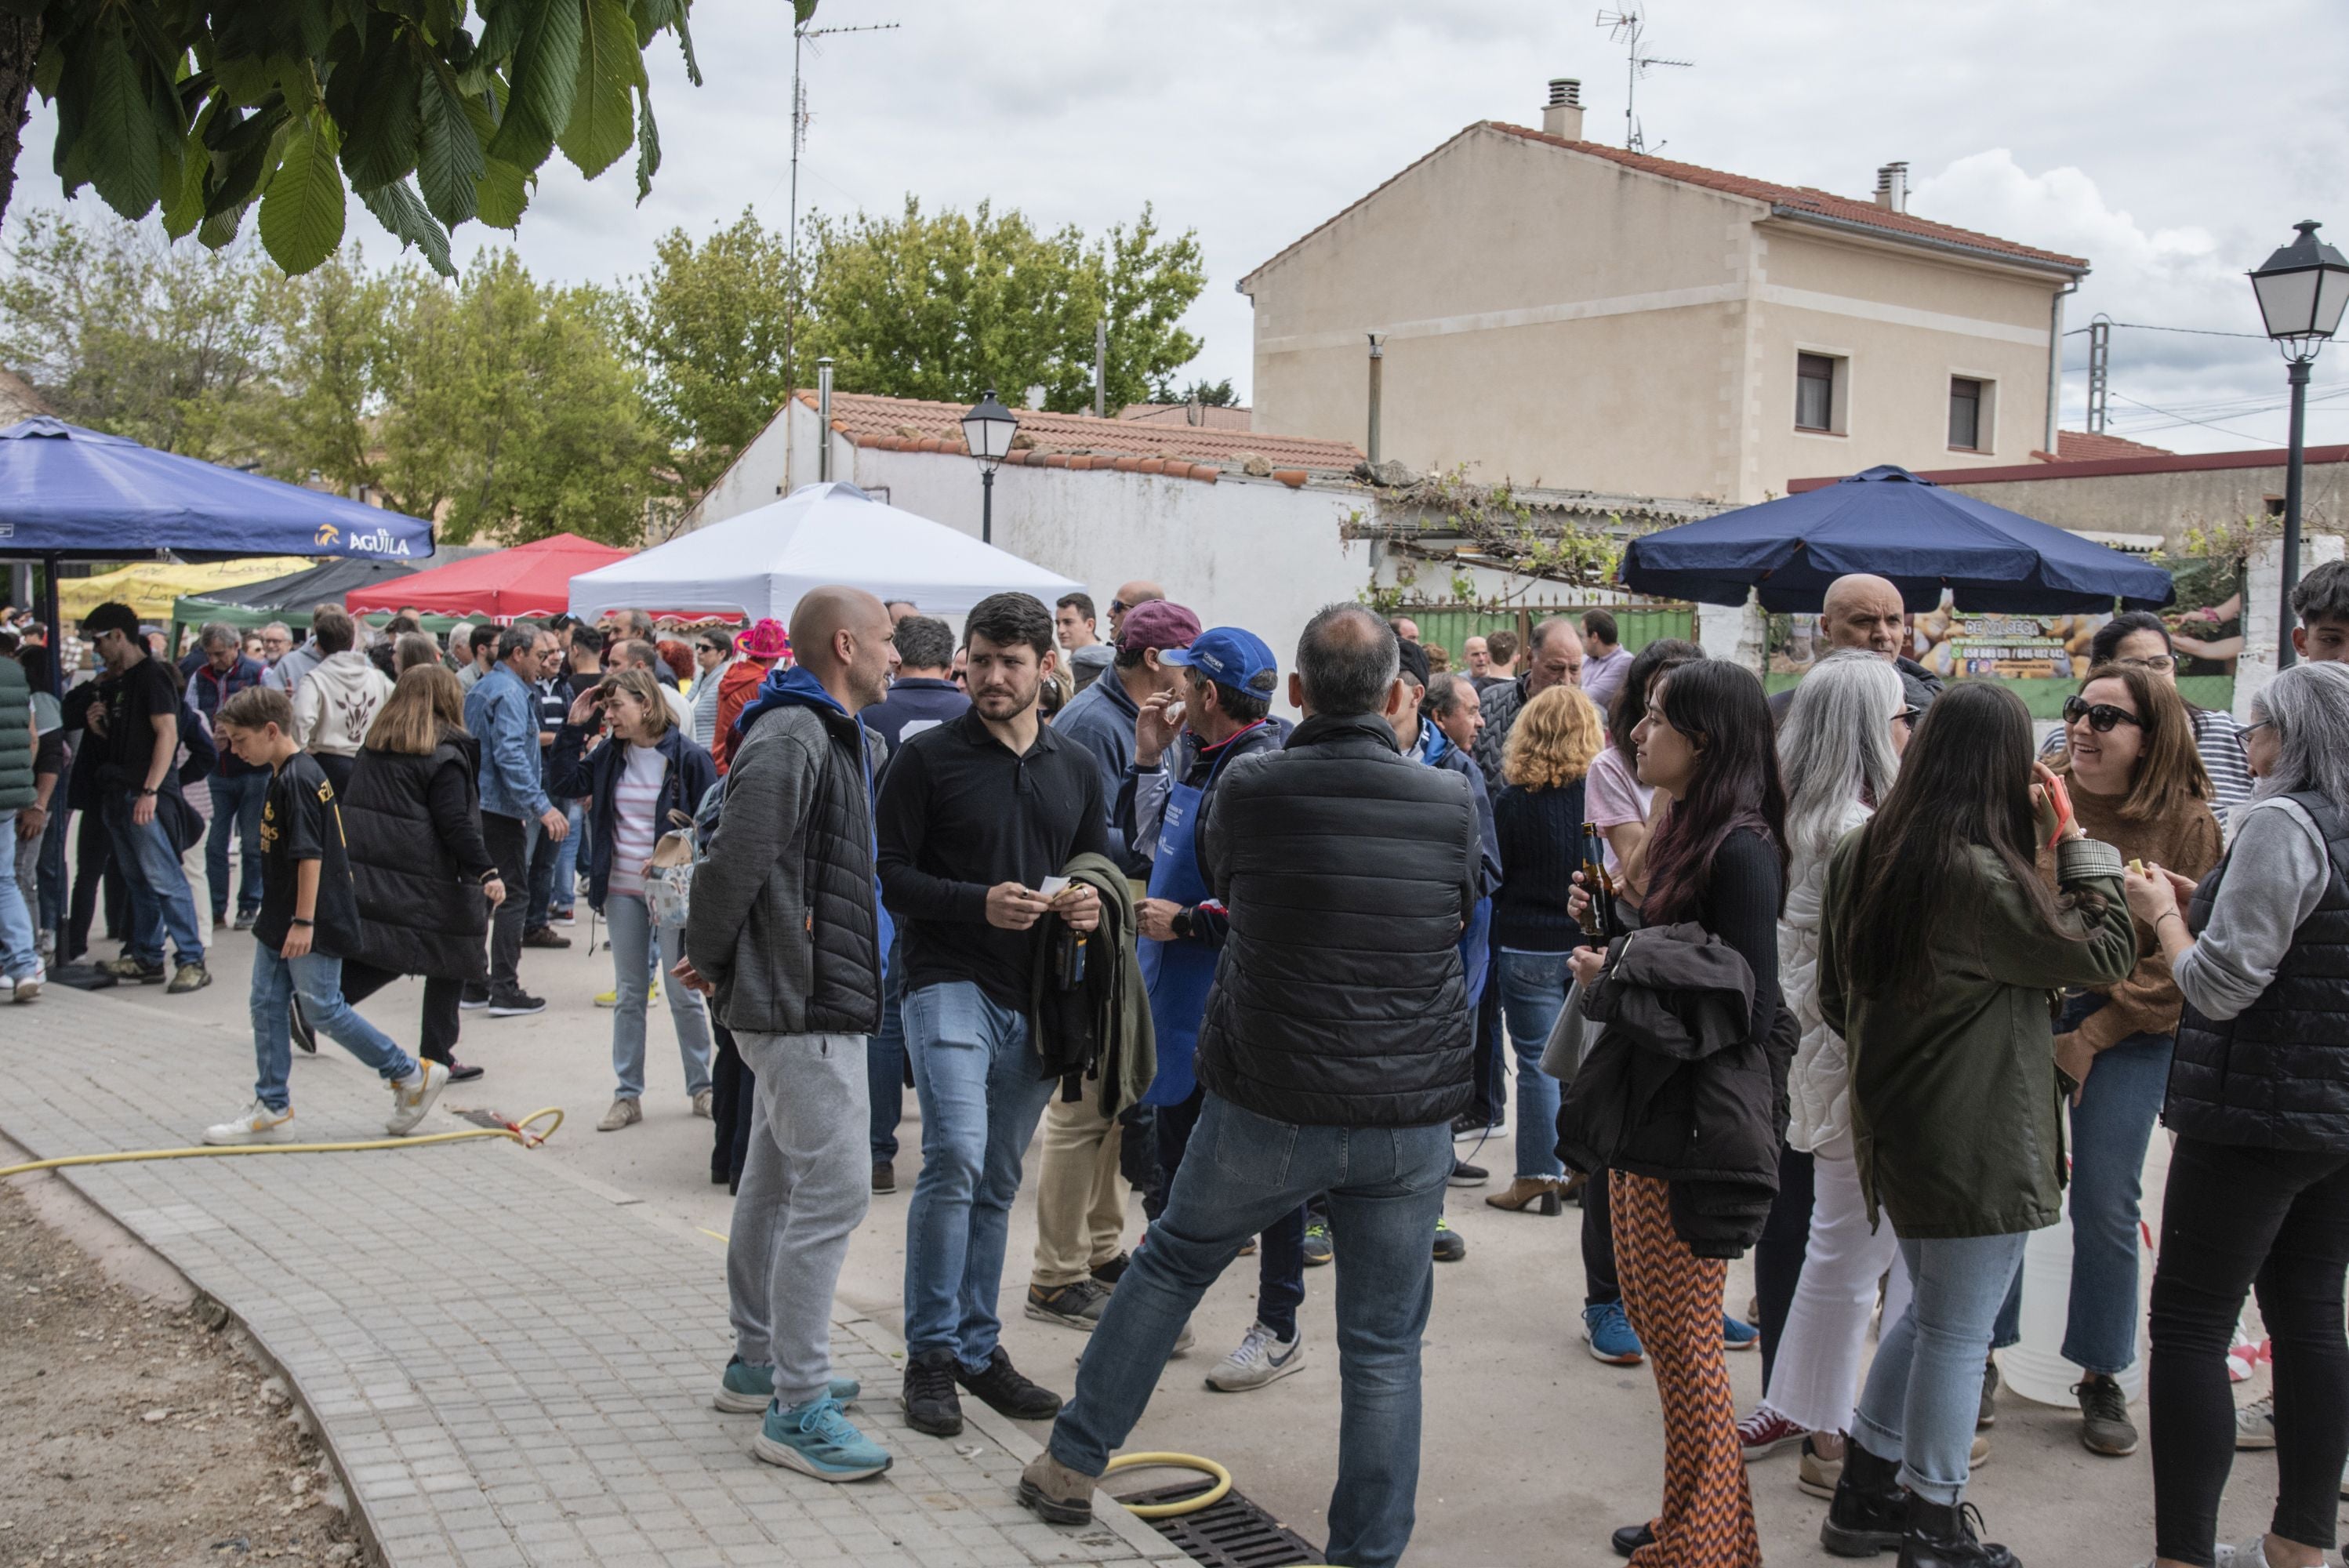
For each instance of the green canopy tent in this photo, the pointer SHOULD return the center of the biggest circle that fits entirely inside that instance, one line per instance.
(291, 598)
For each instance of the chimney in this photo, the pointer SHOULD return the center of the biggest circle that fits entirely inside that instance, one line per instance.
(1562, 116)
(1893, 188)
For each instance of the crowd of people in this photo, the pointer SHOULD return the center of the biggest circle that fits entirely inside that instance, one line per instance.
(1855, 979)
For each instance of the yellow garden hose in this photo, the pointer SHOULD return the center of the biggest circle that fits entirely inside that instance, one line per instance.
(1207, 1499)
(520, 1131)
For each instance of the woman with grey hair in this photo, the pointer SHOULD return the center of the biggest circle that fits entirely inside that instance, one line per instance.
(1838, 751)
(2258, 1195)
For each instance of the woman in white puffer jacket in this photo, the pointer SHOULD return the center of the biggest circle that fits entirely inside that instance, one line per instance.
(1838, 751)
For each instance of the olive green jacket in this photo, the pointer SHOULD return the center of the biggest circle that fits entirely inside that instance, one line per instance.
(16, 787)
(1956, 1117)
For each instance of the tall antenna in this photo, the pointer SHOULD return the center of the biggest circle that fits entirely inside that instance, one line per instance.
(1630, 29)
(803, 13)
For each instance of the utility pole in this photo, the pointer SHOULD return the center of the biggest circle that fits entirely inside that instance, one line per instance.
(801, 34)
(1378, 366)
(1100, 368)
(2100, 367)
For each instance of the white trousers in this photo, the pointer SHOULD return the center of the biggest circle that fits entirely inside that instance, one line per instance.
(1815, 1376)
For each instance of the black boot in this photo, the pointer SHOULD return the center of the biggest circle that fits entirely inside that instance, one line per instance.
(1942, 1536)
(1870, 1511)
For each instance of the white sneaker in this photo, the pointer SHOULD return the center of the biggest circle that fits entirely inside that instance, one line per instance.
(413, 1098)
(1263, 1357)
(29, 989)
(2255, 1424)
(256, 1124)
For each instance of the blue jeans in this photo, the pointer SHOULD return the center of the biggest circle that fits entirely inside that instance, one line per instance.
(319, 979)
(974, 1075)
(632, 938)
(53, 866)
(1924, 1390)
(20, 957)
(1243, 1174)
(236, 811)
(2111, 1127)
(885, 1062)
(160, 902)
(562, 894)
(1533, 992)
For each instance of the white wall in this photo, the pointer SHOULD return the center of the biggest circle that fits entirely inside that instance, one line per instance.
(2263, 611)
(780, 460)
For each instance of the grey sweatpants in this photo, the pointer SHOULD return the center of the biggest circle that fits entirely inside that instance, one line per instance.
(806, 1185)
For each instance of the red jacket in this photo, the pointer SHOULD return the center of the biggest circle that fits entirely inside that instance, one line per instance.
(736, 688)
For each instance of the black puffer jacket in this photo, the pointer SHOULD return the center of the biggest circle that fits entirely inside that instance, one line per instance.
(413, 825)
(785, 917)
(1349, 871)
(2276, 1075)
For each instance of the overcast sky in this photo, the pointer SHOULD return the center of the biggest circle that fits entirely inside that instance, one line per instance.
(2173, 142)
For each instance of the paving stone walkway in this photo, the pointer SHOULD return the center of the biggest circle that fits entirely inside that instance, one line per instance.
(512, 1363)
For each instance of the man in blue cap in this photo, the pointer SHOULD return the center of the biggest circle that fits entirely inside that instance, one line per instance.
(1181, 742)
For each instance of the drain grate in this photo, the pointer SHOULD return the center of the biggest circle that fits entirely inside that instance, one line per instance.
(1234, 1533)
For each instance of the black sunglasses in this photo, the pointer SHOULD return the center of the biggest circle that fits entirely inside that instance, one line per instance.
(1909, 716)
(2101, 717)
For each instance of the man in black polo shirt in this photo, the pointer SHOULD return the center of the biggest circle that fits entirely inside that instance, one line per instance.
(975, 815)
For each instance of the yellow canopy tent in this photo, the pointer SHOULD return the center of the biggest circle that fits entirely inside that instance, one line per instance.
(150, 587)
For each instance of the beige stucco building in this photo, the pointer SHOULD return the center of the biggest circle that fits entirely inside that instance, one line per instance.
(1557, 312)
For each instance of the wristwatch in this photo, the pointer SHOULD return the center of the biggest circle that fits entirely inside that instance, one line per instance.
(147, 791)
(1182, 922)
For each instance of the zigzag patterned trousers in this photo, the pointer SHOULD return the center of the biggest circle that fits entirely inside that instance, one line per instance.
(1673, 1300)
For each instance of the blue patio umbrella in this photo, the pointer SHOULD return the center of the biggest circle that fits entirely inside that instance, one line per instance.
(75, 494)
(1889, 522)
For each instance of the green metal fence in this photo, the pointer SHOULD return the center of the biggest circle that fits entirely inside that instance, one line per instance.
(1449, 626)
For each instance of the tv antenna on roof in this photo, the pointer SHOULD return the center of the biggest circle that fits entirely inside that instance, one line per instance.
(803, 13)
(1630, 29)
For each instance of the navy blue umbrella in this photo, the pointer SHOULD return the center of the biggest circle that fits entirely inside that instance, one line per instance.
(76, 494)
(1889, 522)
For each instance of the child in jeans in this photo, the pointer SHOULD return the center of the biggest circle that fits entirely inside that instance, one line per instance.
(308, 919)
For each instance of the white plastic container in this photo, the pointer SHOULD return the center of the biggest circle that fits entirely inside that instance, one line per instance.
(2034, 1367)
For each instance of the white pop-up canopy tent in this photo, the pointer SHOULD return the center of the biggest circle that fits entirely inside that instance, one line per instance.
(762, 562)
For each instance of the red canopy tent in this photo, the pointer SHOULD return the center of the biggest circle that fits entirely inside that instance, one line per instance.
(532, 579)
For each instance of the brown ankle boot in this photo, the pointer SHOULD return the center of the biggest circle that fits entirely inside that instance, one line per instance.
(1540, 1193)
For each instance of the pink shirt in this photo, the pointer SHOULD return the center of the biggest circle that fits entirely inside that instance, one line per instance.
(1611, 796)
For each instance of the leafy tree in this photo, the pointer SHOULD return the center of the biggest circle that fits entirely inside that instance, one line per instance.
(1206, 394)
(943, 307)
(207, 108)
(122, 333)
(495, 405)
(711, 326)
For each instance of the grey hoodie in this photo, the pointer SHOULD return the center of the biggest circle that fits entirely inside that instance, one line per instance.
(336, 702)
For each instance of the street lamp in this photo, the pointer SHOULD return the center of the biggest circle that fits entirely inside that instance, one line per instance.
(988, 430)
(2302, 291)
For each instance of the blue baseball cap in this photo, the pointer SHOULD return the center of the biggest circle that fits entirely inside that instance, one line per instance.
(1229, 656)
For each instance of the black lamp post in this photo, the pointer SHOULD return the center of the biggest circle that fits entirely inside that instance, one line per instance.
(2302, 291)
(988, 430)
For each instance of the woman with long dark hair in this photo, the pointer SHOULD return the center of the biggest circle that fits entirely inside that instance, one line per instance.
(1938, 947)
(425, 884)
(2133, 764)
(1717, 860)
(2259, 1101)
(1619, 805)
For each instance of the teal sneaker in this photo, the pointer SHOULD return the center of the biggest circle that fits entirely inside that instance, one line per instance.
(1610, 1336)
(817, 1439)
(746, 1390)
(1737, 1334)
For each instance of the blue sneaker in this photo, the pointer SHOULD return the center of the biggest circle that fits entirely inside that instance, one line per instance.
(1737, 1335)
(817, 1439)
(1610, 1336)
(746, 1390)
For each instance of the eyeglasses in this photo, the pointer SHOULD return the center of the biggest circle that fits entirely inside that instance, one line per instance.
(2101, 717)
(2257, 724)
(2159, 663)
(1908, 716)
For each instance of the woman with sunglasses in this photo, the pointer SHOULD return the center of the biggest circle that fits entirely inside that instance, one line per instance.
(2140, 641)
(1938, 948)
(2259, 1180)
(2136, 783)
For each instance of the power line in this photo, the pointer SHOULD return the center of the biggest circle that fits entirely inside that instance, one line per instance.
(2194, 331)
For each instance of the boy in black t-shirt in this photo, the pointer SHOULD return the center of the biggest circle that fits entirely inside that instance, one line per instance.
(309, 918)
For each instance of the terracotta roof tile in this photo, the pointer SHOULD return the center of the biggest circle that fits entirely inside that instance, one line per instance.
(1800, 200)
(1791, 201)
(1180, 414)
(1079, 441)
(2088, 446)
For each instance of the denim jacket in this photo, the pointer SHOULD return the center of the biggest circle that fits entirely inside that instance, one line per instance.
(502, 712)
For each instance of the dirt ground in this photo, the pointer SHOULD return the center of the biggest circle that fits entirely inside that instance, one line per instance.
(138, 1434)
